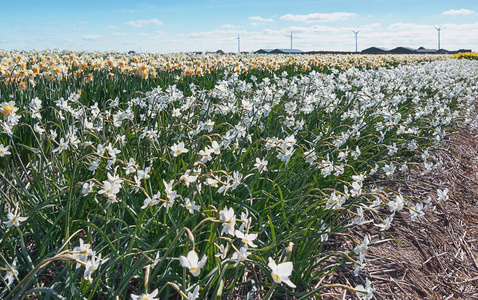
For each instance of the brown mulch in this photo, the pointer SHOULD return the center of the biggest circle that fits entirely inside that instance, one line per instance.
(436, 257)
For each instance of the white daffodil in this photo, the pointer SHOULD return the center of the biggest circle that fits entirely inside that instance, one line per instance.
(178, 149)
(87, 188)
(91, 266)
(222, 251)
(146, 296)
(281, 272)
(188, 179)
(38, 129)
(418, 211)
(229, 218)
(4, 150)
(14, 219)
(240, 255)
(62, 146)
(151, 201)
(387, 224)
(215, 148)
(82, 252)
(397, 204)
(11, 272)
(247, 238)
(109, 190)
(195, 294)
(261, 165)
(193, 263)
(362, 247)
(131, 167)
(168, 188)
(389, 169)
(364, 293)
(190, 206)
(442, 195)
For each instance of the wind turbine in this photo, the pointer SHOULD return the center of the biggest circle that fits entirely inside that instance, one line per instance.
(291, 39)
(238, 44)
(356, 32)
(439, 29)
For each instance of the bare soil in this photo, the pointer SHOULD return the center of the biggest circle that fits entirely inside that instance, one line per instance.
(436, 257)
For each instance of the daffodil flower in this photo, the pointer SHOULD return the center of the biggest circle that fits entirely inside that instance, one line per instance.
(193, 263)
(229, 218)
(146, 296)
(364, 293)
(281, 272)
(195, 294)
(222, 251)
(91, 266)
(190, 206)
(4, 150)
(442, 195)
(109, 190)
(178, 149)
(247, 238)
(14, 219)
(240, 255)
(11, 272)
(261, 165)
(82, 252)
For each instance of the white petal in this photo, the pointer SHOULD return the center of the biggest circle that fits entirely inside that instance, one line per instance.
(285, 269)
(193, 258)
(239, 234)
(184, 262)
(288, 282)
(272, 264)
(202, 262)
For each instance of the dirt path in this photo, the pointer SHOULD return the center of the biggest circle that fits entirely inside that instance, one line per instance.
(438, 258)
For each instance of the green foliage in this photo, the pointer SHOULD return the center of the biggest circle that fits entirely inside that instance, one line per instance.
(293, 157)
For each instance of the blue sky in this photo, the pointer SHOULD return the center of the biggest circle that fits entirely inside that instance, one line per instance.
(209, 25)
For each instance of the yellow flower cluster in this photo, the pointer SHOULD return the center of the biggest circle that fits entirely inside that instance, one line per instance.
(467, 55)
(25, 66)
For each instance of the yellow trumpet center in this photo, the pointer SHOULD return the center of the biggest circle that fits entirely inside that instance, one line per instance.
(8, 109)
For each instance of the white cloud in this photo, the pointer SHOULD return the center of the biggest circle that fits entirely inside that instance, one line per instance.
(79, 29)
(131, 11)
(458, 12)
(83, 22)
(216, 34)
(119, 34)
(111, 27)
(260, 19)
(159, 35)
(409, 27)
(143, 23)
(319, 17)
(92, 37)
(230, 26)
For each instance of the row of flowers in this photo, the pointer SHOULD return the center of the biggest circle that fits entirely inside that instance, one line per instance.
(28, 66)
(222, 182)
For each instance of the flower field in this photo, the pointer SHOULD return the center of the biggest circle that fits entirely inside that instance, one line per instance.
(206, 176)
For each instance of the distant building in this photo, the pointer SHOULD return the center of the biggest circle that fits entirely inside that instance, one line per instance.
(403, 50)
(375, 50)
(278, 51)
(443, 51)
(423, 50)
(263, 51)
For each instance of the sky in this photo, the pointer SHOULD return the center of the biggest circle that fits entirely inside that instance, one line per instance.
(209, 25)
